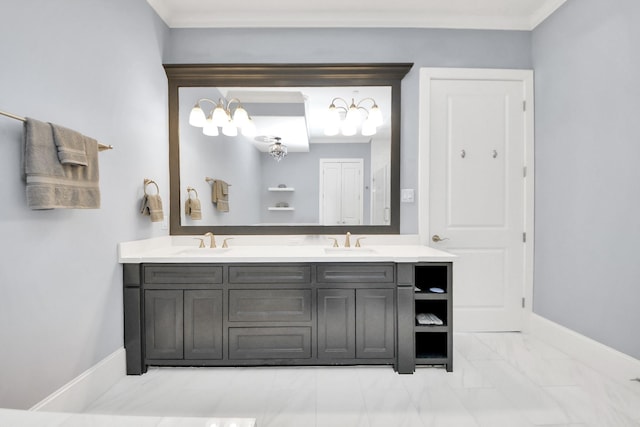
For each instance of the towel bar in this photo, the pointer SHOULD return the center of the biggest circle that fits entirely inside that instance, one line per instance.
(101, 147)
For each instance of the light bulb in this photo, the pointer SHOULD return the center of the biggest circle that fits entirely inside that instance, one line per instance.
(229, 129)
(209, 128)
(353, 115)
(240, 117)
(375, 115)
(220, 116)
(333, 116)
(197, 117)
(348, 128)
(368, 127)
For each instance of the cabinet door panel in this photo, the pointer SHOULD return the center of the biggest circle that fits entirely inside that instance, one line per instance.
(336, 323)
(375, 323)
(203, 324)
(163, 324)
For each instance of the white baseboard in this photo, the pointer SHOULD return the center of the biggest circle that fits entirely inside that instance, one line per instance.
(78, 393)
(613, 363)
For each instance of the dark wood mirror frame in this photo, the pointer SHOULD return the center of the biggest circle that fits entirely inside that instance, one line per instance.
(256, 75)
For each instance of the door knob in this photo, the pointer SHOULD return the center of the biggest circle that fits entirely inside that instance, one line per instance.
(437, 238)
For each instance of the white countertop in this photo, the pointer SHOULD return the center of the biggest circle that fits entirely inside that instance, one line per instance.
(272, 249)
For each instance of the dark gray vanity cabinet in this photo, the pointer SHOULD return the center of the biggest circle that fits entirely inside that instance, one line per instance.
(287, 314)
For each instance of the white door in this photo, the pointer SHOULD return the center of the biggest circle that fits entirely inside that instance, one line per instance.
(380, 197)
(478, 129)
(341, 191)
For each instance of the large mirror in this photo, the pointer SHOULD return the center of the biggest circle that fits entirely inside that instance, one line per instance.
(310, 148)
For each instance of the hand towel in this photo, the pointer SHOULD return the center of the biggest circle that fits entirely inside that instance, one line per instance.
(193, 208)
(52, 184)
(220, 195)
(152, 206)
(70, 145)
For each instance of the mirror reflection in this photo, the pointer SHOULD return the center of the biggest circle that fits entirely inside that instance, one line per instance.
(295, 155)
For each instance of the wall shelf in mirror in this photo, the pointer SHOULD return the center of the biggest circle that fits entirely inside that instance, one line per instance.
(281, 189)
(289, 92)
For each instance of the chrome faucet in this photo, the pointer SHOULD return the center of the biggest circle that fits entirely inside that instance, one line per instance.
(347, 240)
(213, 239)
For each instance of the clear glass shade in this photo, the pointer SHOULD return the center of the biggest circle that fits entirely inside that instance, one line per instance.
(278, 151)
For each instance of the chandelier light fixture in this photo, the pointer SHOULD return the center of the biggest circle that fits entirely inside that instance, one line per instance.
(277, 150)
(346, 118)
(222, 116)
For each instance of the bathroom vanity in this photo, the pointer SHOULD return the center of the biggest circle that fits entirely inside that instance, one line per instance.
(261, 305)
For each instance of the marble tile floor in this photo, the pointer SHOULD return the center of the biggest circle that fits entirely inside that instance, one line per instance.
(499, 379)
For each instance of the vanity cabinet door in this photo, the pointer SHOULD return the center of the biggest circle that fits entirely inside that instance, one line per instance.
(336, 324)
(163, 320)
(203, 324)
(375, 323)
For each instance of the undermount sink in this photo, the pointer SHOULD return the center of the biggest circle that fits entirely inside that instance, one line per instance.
(354, 251)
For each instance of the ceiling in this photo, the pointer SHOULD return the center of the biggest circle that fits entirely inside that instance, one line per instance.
(472, 14)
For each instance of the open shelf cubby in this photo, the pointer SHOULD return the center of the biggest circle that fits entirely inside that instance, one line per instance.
(431, 345)
(434, 343)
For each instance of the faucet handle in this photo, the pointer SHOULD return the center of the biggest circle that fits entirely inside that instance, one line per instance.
(224, 242)
(358, 241)
(335, 242)
(201, 241)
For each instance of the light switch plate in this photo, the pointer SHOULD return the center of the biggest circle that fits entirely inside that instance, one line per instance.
(407, 195)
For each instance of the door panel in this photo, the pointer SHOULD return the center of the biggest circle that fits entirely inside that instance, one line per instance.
(477, 140)
(163, 324)
(375, 323)
(336, 323)
(341, 191)
(203, 324)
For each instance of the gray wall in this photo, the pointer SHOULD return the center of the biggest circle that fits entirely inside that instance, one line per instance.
(423, 47)
(95, 66)
(587, 271)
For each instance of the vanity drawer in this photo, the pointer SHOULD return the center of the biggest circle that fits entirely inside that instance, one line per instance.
(269, 343)
(242, 274)
(355, 273)
(171, 274)
(266, 305)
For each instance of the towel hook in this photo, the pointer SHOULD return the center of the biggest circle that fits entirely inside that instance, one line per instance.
(190, 189)
(147, 182)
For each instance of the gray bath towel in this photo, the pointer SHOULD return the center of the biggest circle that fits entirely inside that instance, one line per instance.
(71, 146)
(51, 184)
